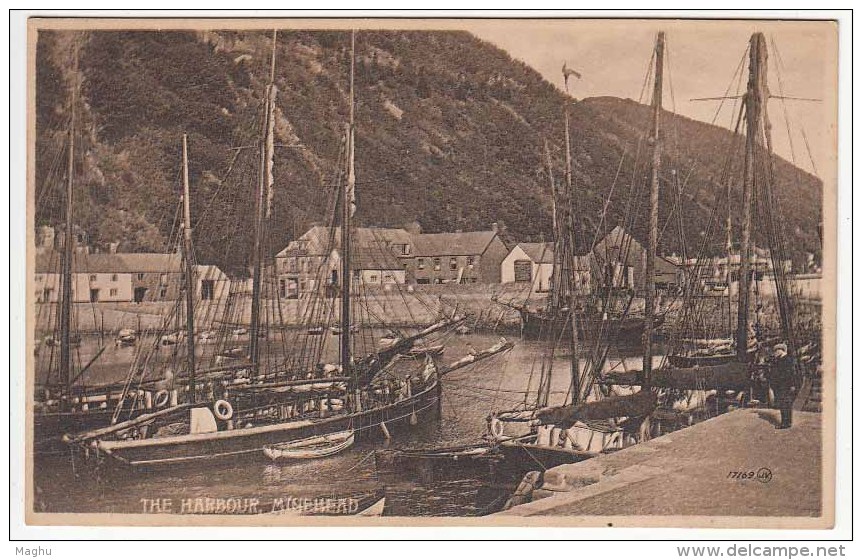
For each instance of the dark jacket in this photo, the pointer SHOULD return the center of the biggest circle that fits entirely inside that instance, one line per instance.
(782, 374)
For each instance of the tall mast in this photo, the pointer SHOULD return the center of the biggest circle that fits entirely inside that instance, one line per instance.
(649, 300)
(262, 201)
(568, 256)
(190, 277)
(347, 205)
(554, 302)
(68, 246)
(754, 100)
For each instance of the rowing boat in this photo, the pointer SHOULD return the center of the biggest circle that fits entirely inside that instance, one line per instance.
(311, 448)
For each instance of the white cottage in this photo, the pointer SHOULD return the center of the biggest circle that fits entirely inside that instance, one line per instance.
(531, 263)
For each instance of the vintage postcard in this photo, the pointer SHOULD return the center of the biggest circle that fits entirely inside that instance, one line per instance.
(533, 272)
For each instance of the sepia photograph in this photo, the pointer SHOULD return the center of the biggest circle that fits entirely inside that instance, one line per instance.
(571, 272)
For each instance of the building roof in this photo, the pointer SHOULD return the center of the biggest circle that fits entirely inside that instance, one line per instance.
(539, 253)
(321, 240)
(130, 263)
(150, 262)
(374, 257)
(452, 244)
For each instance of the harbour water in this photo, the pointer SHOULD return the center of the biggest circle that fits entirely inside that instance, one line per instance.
(66, 484)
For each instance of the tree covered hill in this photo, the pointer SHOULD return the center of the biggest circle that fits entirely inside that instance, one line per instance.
(450, 133)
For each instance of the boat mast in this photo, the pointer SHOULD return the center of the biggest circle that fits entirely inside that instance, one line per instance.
(262, 211)
(567, 257)
(347, 205)
(190, 278)
(649, 300)
(68, 249)
(555, 272)
(754, 100)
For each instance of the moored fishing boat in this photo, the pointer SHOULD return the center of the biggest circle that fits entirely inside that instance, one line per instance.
(301, 396)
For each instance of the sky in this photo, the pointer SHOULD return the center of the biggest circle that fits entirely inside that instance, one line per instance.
(702, 57)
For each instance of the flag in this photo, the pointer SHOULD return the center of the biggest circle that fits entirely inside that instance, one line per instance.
(569, 72)
(270, 148)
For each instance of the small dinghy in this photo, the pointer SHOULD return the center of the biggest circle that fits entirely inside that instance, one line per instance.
(310, 448)
(126, 337)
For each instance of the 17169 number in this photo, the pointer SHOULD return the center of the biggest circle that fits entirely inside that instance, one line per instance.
(761, 475)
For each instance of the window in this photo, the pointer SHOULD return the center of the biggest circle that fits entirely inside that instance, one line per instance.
(470, 262)
(94, 295)
(163, 293)
(114, 292)
(436, 263)
(372, 279)
(140, 276)
(38, 278)
(523, 271)
(423, 281)
(420, 264)
(405, 249)
(282, 288)
(163, 280)
(387, 278)
(92, 278)
(453, 263)
(113, 277)
(207, 289)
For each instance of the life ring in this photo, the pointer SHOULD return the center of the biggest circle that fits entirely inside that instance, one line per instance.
(223, 410)
(161, 399)
(495, 425)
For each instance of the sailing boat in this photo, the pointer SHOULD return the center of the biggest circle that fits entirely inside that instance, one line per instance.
(65, 405)
(594, 422)
(554, 316)
(591, 422)
(737, 374)
(273, 412)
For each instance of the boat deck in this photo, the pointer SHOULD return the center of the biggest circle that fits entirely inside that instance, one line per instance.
(689, 473)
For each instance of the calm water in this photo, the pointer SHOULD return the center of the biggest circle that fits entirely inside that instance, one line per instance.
(63, 484)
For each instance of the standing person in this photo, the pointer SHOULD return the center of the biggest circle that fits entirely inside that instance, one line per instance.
(782, 378)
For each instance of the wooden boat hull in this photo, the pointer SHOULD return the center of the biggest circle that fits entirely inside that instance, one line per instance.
(733, 375)
(521, 458)
(435, 465)
(312, 448)
(425, 351)
(49, 427)
(680, 361)
(245, 442)
(535, 325)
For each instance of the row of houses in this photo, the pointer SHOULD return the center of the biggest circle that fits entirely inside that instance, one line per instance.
(380, 257)
(387, 256)
(125, 277)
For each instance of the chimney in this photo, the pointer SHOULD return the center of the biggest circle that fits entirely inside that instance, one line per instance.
(494, 227)
(113, 246)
